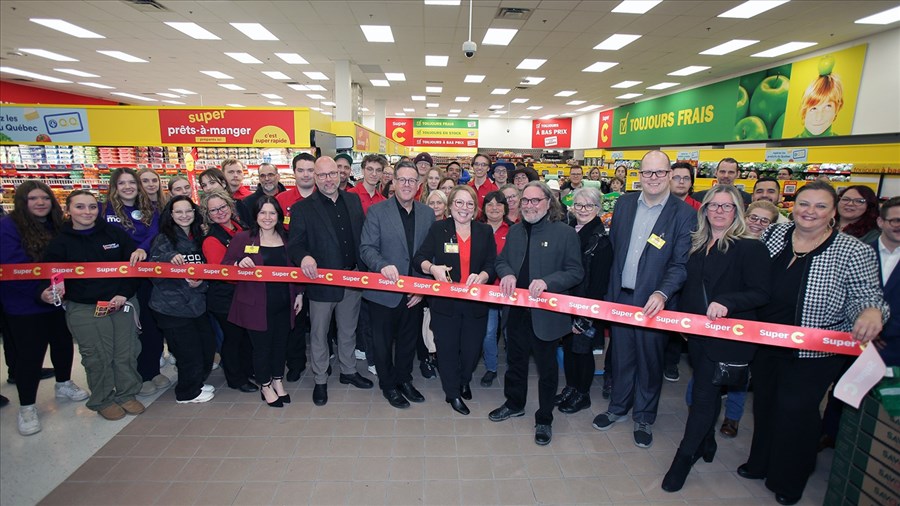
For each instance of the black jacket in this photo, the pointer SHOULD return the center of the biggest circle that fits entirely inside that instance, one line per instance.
(173, 296)
(482, 256)
(103, 243)
(597, 258)
(248, 204)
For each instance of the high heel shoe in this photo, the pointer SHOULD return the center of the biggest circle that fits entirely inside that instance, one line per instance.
(286, 398)
(277, 403)
(707, 450)
(675, 478)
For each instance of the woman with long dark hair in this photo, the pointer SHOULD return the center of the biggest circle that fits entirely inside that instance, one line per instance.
(858, 213)
(129, 208)
(180, 304)
(24, 235)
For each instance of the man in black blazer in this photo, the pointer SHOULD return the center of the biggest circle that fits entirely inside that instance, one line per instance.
(887, 248)
(541, 254)
(325, 231)
(651, 238)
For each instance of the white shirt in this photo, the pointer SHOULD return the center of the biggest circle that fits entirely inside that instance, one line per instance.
(889, 260)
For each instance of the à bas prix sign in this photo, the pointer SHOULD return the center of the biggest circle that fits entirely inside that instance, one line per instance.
(551, 133)
(261, 128)
(433, 132)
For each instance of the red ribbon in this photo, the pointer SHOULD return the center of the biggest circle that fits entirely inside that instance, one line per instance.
(786, 336)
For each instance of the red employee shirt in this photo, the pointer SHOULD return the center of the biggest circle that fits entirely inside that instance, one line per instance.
(465, 257)
(487, 187)
(286, 199)
(241, 193)
(364, 197)
(691, 201)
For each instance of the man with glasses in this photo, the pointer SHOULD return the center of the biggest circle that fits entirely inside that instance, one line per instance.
(268, 185)
(541, 254)
(325, 232)
(887, 247)
(683, 183)
(769, 189)
(345, 165)
(726, 172)
(651, 238)
(392, 234)
(373, 167)
(482, 185)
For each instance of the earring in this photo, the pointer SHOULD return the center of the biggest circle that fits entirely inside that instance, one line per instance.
(832, 223)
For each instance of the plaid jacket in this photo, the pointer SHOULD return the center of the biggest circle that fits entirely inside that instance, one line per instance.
(842, 281)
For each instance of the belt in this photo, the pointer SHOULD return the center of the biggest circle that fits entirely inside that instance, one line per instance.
(628, 291)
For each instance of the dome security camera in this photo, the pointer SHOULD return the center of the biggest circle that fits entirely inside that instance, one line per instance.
(469, 48)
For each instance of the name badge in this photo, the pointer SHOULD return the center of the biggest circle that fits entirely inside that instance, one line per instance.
(252, 249)
(451, 247)
(656, 241)
(287, 220)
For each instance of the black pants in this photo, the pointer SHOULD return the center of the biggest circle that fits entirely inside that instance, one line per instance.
(673, 350)
(521, 344)
(150, 335)
(193, 343)
(237, 352)
(706, 401)
(9, 347)
(395, 332)
(296, 344)
(30, 335)
(787, 392)
(578, 367)
(270, 345)
(364, 338)
(458, 340)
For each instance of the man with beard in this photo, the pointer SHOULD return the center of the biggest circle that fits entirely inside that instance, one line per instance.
(268, 185)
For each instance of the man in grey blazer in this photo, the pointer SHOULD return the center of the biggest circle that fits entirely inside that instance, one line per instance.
(393, 231)
(651, 238)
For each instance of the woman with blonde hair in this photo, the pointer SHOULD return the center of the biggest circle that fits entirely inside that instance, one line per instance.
(151, 184)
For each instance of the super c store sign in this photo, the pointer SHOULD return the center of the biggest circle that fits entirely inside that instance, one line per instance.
(224, 126)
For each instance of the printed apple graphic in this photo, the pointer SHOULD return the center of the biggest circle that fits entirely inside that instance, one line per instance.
(781, 70)
(826, 65)
(750, 128)
(778, 130)
(743, 103)
(751, 81)
(770, 99)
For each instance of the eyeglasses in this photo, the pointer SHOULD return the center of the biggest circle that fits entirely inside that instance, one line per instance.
(681, 179)
(762, 221)
(654, 173)
(462, 204)
(217, 210)
(848, 200)
(531, 202)
(407, 181)
(714, 206)
(583, 207)
(894, 222)
(481, 165)
(328, 175)
(268, 176)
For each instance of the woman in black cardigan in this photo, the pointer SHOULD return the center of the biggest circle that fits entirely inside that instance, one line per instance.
(458, 250)
(729, 275)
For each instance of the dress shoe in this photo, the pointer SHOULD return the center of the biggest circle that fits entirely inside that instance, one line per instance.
(564, 396)
(677, 474)
(356, 379)
(707, 450)
(320, 394)
(3, 401)
(458, 405)
(783, 499)
(504, 413)
(396, 399)
(729, 428)
(744, 472)
(410, 392)
(248, 387)
(277, 403)
(427, 368)
(278, 386)
(575, 403)
(465, 392)
(294, 374)
(488, 378)
(542, 434)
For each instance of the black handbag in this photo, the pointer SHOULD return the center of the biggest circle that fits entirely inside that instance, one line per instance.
(731, 375)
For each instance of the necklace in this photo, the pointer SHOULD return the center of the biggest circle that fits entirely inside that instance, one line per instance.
(815, 245)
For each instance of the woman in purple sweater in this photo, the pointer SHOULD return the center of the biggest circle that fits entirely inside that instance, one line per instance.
(24, 235)
(129, 207)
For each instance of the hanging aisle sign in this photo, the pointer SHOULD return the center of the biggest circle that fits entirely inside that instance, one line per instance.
(551, 133)
(433, 132)
(261, 128)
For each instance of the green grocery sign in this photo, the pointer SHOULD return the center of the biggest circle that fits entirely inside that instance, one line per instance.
(445, 123)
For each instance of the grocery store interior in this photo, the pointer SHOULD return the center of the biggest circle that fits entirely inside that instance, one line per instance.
(120, 83)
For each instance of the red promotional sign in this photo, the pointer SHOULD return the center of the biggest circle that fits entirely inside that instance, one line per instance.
(445, 143)
(551, 133)
(399, 130)
(433, 132)
(362, 139)
(605, 133)
(227, 127)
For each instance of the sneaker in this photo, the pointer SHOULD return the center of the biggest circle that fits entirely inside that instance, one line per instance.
(359, 354)
(643, 436)
(597, 351)
(215, 366)
(203, 397)
(671, 373)
(162, 361)
(171, 359)
(133, 407)
(28, 420)
(147, 388)
(488, 378)
(207, 388)
(112, 412)
(161, 381)
(605, 421)
(372, 370)
(70, 390)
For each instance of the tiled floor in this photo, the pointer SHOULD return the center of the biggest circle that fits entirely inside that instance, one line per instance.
(359, 450)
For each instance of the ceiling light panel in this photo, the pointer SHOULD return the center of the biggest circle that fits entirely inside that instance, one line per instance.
(565, 93)
(182, 91)
(751, 8)
(271, 96)
(254, 31)
(274, 74)
(232, 87)
(882, 18)
(133, 96)
(535, 107)
(436, 61)
(315, 96)
(636, 6)
(101, 86)
(662, 86)
(524, 117)
(496, 107)
(173, 102)
(409, 109)
(378, 33)
(473, 78)
(729, 47)
(531, 64)
(380, 83)
(500, 91)
(576, 102)
(119, 55)
(434, 89)
(432, 105)
(418, 98)
(169, 95)
(75, 72)
(399, 114)
(244, 58)
(456, 110)
(50, 55)
(626, 84)
(548, 116)
(395, 76)
(600, 66)
(193, 30)
(519, 100)
(693, 69)
(315, 87)
(276, 102)
(292, 58)
(452, 115)
(616, 41)
(498, 36)
(316, 76)
(442, 2)
(67, 28)
(628, 96)
(462, 99)
(589, 108)
(215, 74)
(432, 115)
(790, 47)
(328, 103)
(299, 87)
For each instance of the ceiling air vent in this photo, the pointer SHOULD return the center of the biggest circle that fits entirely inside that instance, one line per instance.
(513, 13)
(146, 5)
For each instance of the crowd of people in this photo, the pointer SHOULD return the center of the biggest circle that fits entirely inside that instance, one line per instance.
(719, 253)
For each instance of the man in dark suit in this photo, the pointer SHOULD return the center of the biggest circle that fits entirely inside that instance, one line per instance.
(541, 254)
(726, 172)
(651, 238)
(393, 231)
(325, 230)
(887, 248)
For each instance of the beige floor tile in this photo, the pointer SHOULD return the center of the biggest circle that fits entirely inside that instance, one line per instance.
(576, 466)
(292, 493)
(442, 492)
(367, 493)
(268, 470)
(621, 488)
(376, 447)
(372, 469)
(405, 492)
(409, 446)
(252, 494)
(180, 493)
(246, 447)
(509, 467)
(330, 492)
(199, 469)
(303, 469)
(129, 469)
(441, 468)
(542, 466)
(407, 469)
(475, 468)
(587, 491)
(551, 491)
(183, 446)
(514, 492)
(478, 492)
(337, 468)
(218, 493)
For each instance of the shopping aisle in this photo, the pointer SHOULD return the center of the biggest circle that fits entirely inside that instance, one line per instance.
(358, 450)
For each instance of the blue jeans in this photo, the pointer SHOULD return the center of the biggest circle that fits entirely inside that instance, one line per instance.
(490, 340)
(734, 401)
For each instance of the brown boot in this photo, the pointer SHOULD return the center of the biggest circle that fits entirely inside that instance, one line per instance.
(112, 412)
(133, 407)
(729, 428)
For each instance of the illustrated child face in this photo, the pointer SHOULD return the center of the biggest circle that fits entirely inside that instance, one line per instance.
(820, 116)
